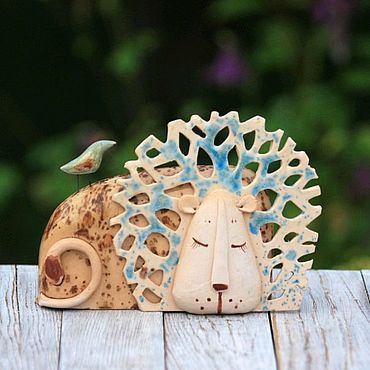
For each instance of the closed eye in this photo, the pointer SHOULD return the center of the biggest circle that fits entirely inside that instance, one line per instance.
(241, 246)
(197, 243)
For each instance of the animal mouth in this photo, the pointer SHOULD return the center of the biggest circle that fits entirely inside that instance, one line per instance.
(219, 302)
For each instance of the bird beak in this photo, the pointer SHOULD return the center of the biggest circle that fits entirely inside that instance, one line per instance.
(106, 144)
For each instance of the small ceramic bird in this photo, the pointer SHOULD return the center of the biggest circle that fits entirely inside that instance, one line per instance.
(89, 161)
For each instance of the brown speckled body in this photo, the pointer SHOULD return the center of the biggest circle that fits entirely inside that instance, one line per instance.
(85, 215)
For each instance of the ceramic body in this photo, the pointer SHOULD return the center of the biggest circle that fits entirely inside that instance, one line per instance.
(217, 270)
(190, 237)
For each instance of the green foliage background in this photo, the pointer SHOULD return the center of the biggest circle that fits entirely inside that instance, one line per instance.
(72, 72)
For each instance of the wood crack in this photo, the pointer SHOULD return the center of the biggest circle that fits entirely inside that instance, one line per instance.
(60, 340)
(274, 344)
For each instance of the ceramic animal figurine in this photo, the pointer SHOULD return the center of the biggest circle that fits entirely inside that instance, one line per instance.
(89, 161)
(175, 235)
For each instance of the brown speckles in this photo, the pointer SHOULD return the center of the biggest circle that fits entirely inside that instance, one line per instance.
(86, 215)
(143, 272)
(85, 165)
(107, 240)
(99, 201)
(82, 233)
(230, 300)
(208, 299)
(196, 300)
(52, 222)
(54, 270)
(73, 289)
(201, 308)
(88, 219)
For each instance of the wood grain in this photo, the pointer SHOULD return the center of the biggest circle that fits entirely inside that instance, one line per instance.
(366, 277)
(29, 335)
(332, 329)
(331, 332)
(112, 340)
(218, 342)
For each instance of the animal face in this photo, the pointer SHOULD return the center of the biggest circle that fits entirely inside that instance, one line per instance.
(217, 271)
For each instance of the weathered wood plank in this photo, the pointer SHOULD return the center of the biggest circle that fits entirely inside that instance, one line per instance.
(332, 329)
(29, 335)
(9, 319)
(218, 342)
(366, 277)
(112, 340)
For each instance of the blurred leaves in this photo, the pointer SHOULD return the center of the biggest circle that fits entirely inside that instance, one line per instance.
(362, 144)
(356, 80)
(10, 183)
(121, 70)
(127, 58)
(231, 10)
(278, 46)
(310, 115)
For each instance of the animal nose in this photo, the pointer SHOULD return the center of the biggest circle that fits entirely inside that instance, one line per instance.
(219, 287)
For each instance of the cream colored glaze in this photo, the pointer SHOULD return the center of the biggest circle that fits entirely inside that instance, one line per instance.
(217, 271)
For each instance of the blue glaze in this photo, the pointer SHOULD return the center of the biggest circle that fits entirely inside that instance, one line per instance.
(141, 298)
(135, 186)
(309, 173)
(175, 239)
(145, 146)
(258, 219)
(265, 183)
(130, 271)
(230, 179)
(171, 150)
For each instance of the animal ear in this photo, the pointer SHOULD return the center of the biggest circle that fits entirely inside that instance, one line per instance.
(188, 203)
(247, 203)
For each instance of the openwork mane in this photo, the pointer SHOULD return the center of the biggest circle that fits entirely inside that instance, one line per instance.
(280, 170)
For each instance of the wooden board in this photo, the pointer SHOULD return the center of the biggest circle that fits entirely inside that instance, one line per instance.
(366, 277)
(331, 332)
(112, 340)
(218, 342)
(332, 329)
(29, 335)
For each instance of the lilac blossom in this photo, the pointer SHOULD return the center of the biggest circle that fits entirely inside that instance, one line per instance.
(228, 68)
(335, 15)
(360, 183)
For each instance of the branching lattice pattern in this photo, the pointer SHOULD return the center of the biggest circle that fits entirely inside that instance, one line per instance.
(281, 170)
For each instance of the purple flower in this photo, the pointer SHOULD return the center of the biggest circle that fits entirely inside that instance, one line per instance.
(228, 68)
(360, 183)
(325, 11)
(335, 15)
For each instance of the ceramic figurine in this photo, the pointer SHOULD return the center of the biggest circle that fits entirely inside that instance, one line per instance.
(175, 235)
(89, 161)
